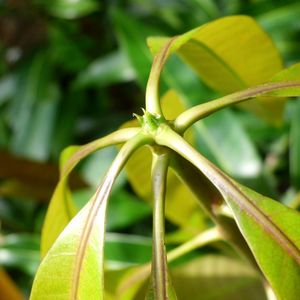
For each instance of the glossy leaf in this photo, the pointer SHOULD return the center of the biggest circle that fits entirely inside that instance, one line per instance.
(61, 208)
(227, 59)
(267, 225)
(288, 75)
(131, 36)
(75, 261)
(20, 251)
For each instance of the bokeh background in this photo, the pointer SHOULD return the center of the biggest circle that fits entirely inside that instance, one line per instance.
(74, 70)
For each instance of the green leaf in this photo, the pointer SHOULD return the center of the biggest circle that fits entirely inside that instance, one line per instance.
(113, 68)
(34, 104)
(132, 35)
(20, 251)
(124, 250)
(224, 54)
(268, 226)
(61, 208)
(295, 144)
(75, 261)
(217, 277)
(70, 9)
(288, 75)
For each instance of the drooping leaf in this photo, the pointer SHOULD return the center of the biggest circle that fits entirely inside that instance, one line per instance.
(75, 261)
(226, 57)
(270, 229)
(61, 208)
(288, 75)
(216, 277)
(113, 68)
(132, 35)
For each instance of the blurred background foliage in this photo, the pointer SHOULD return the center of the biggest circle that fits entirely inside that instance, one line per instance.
(72, 71)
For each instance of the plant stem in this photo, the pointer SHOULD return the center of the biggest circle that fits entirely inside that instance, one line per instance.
(159, 262)
(210, 200)
(194, 114)
(152, 90)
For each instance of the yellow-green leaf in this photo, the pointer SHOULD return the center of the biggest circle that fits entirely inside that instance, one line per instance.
(230, 54)
(73, 267)
(61, 208)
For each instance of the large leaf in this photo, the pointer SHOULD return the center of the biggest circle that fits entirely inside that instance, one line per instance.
(61, 208)
(270, 228)
(75, 261)
(230, 54)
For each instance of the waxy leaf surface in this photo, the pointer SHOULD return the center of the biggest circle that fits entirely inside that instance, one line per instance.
(230, 54)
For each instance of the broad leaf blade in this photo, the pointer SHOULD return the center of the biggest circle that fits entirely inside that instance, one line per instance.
(290, 74)
(274, 240)
(230, 54)
(73, 277)
(270, 228)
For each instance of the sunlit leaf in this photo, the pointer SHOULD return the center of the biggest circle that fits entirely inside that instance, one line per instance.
(268, 226)
(287, 75)
(75, 261)
(61, 208)
(230, 54)
(217, 277)
(20, 251)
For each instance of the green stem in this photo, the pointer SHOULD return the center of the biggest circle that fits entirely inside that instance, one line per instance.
(159, 262)
(194, 114)
(152, 91)
(167, 137)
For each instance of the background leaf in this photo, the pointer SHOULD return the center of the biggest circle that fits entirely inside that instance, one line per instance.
(275, 231)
